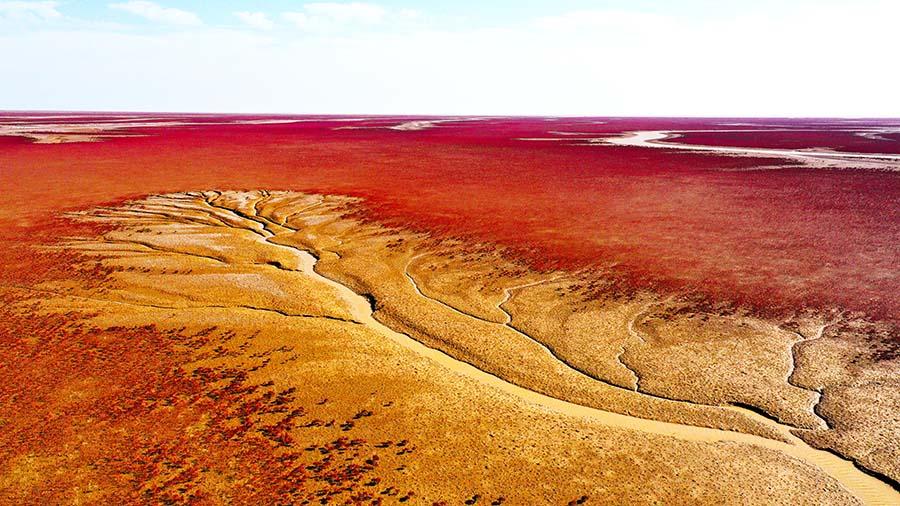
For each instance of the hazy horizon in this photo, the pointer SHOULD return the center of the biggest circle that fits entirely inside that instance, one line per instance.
(436, 115)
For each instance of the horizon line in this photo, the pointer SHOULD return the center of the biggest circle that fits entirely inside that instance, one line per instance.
(439, 115)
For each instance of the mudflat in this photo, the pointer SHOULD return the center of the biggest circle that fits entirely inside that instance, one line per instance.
(293, 352)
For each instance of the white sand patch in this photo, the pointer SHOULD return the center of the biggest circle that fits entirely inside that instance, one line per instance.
(416, 125)
(105, 128)
(816, 157)
(287, 121)
(557, 132)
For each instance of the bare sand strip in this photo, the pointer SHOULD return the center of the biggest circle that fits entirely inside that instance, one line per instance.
(657, 138)
(97, 131)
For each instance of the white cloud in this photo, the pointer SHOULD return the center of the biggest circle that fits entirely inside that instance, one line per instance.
(354, 12)
(409, 14)
(258, 20)
(325, 16)
(29, 11)
(604, 19)
(300, 19)
(158, 13)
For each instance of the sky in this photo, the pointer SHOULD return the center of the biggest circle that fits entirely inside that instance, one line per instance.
(832, 58)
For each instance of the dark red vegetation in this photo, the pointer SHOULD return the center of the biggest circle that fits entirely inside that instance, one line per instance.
(777, 240)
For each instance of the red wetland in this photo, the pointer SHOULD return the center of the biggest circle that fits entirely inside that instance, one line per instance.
(769, 234)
